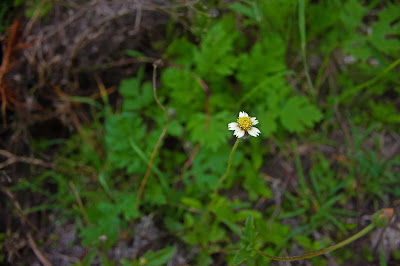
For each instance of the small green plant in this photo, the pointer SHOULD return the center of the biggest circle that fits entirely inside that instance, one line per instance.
(249, 239)
(319, 73)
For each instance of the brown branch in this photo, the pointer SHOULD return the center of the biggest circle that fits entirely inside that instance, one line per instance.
(12, 158)
(37, 252)
(5, 66)
(78, 199)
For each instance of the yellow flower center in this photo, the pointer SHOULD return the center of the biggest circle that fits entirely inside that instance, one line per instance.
(245, 123)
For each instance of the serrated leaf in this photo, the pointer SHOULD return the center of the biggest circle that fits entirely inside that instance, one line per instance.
(136, 96)
(265, 58)
(184, 92)
(119, 129)
(385, 27)
(127, 201)
(298, 113)
(216, 51)
(249, 231)
(215, 136)
(181, 51)
(241, 256)
(352, 14)
(106, 222)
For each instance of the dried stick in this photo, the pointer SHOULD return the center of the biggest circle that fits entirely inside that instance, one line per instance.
(12, 158)
(36, 250)
(78, 199)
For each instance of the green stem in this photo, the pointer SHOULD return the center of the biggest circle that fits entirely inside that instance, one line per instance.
(215, 192)
(322, 251)
(228, 169)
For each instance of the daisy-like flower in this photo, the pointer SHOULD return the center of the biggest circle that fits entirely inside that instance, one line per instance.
(244, 126)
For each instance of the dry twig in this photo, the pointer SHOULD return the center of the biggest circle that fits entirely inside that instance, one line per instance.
(12, 158)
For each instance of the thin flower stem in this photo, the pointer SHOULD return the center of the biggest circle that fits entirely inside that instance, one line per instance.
(322, 251)
(215, 192)
(153, 155)
(228, 169)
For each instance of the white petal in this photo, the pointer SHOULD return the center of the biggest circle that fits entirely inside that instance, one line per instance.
(243, 114)
(254, 121)
(239, 133)
(254, 131)
(233, 126)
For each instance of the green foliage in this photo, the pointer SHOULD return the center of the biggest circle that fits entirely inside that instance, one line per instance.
(152, 258)
(298, 114)
(104, 221)
(249, 58)
(378, 178)
(215, 56)
(249, 240)
(216, 131)
(323, 197)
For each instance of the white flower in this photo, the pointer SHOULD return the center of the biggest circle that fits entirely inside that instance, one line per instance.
(244, 126)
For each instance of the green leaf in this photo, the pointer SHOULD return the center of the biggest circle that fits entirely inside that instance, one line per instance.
(352, 15)
(386, 26)
(159, 257)
(184, 92)
(154, 195)
(119, 129)
(181, 51)
(216, 52)
(277, 15)
(268, 123)
(254, 184)
(248, 239)
(191, 202)
(134, 53)
(298, 113)
(274, 232)
(105, 222)
(265, 59)
(250, 234)
(217, 133)
(127, 203)
(243, 9)
(385, 112)
(136, 96)
(241, 256)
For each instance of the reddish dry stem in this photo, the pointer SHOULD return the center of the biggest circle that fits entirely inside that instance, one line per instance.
(11, 47)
